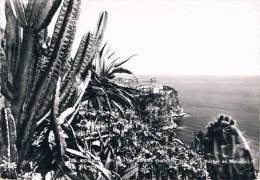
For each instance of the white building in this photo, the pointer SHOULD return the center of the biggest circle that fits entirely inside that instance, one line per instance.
(143, 85)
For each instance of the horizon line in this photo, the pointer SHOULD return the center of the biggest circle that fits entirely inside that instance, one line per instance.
(196, 75)
(189, 75)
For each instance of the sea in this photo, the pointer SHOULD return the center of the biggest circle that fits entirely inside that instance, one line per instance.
(203, 98)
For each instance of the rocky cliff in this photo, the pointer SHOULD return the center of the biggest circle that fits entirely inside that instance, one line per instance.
(164, 105)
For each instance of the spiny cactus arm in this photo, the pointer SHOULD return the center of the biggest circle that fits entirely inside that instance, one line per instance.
(58, 52)
(68, 98)
(40, 12)
(2, 134)
(13, 40)
(56, 122)
(12, 136)
(25, 73)
(6, 90)
(41, 67)
(62, 38)
(64, 27)
(56, 98)
(62, 52)
(9, 62)
(100, 29)
(8, 135)
(84, 54)
(98, 61)
(74, 77)
(36, 15)
(75, 93)
(81, 90)
(18, 11)
(54, 62)
(13, 53)
(40, 70)
(6, 86)
(42, 63)
(8, 153)
(79, 54)
(26, 61)
(64, 32)
(69, 87)
(83, 57)
(66, 87)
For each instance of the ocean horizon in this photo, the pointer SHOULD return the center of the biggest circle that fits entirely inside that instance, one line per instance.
(203, 98)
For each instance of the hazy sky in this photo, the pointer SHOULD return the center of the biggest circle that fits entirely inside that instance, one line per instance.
(179, 37)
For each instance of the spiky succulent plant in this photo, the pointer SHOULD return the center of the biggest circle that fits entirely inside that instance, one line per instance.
(38, 78)
(103, 90)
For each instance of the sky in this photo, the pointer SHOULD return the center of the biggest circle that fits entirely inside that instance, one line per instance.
(174, 37)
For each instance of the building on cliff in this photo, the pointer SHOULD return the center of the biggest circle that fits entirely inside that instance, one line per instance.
(165, 98)
(150, 85)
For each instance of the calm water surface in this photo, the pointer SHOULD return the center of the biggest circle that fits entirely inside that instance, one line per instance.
(204, 97)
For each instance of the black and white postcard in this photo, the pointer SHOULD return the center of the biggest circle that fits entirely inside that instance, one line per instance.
(128, 89)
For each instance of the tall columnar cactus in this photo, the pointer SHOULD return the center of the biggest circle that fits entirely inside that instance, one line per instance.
(227, 152)
(31, 66)
(7, 143)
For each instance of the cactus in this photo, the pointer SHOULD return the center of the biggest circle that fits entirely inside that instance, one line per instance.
(30, 72)
(227, 152)
(7, 144)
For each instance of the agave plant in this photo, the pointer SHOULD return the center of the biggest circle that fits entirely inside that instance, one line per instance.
(227, 151)
(38, 78)
(102, 90)
(105, 70)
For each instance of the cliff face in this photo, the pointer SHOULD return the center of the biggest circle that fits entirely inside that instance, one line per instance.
(163, 106)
